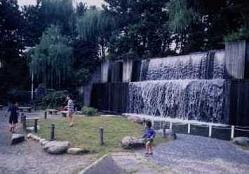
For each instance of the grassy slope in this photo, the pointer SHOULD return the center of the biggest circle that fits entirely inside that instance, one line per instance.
(84, 134)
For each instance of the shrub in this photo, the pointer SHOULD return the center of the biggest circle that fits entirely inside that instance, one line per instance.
(55, 99)
(89, 111)
(242, 34)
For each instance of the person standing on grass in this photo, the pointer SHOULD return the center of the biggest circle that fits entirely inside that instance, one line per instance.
(70, 110)
(13, 118)
(149, 135)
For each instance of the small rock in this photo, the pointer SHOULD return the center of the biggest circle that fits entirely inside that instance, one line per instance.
(170, 134)
(136, 119)
(56, 147)
(76, 151)
(17, 138)
(242, 141)
(34, 137)
(132, 142)
(43, 141)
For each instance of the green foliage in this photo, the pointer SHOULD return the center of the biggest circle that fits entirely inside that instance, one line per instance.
(89, 111)
(86, 59)
(13, 69)
(55, 99)
(95, 26)
(180, 15)
(242, 34)
(51, 60)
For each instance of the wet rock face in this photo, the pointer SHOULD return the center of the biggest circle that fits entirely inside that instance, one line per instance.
(242, 141)
(17, 138)
(56, 147)
(129, 142)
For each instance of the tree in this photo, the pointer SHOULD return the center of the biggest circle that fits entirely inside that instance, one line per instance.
(96, 26)
(45, 13)
(142, 28)
(85, 61)
(51, 60)
(12, 68)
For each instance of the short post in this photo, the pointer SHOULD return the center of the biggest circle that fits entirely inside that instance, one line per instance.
(210, 130)
(232, 132)
(35, 125)
(45, 115)
(52, 132)
(164, 131)
(101, 136)
(23, 120)
(189, 128)
(170, 125)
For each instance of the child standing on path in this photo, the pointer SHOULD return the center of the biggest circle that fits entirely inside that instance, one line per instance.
(149, 135)
(13, 118)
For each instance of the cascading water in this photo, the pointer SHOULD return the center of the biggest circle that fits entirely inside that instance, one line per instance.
(196, 66)
(187, 87)
(202, 100)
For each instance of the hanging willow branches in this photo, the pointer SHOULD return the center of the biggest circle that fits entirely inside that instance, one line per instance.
(51, 60)
(96, 26)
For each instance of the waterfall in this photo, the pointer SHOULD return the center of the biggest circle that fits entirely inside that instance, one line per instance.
(208, 65)
(202, 100)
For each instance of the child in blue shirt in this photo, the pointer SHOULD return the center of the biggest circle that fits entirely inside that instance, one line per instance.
(149, 135)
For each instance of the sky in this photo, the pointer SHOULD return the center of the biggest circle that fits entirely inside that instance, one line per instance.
(89, 2)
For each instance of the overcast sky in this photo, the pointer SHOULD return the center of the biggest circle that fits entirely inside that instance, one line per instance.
(89, 2)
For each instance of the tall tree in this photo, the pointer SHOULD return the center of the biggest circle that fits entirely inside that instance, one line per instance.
(142, 28)
(12, 68)
(96, 26)
(51, 60)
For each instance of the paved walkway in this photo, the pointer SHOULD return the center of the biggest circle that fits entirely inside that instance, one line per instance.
(29, 158)
(200, 155)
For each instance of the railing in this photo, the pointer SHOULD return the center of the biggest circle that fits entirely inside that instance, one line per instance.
(189, 123)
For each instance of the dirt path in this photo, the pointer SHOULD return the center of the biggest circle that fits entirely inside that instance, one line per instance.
(29, 158)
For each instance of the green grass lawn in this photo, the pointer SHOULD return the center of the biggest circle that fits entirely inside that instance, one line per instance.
(85, 132)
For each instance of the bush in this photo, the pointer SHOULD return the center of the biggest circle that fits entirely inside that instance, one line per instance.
(242, 34)
(55, 99)
(89, 111)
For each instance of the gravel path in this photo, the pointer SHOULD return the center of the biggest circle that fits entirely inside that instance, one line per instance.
(200, 155)
(29, 158)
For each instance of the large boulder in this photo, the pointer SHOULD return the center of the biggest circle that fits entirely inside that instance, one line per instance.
(17, 138)
(242, 141)
(76, 151)
(129, 142)
(56, 147)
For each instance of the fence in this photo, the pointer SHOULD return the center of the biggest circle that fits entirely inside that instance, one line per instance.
(190, 125)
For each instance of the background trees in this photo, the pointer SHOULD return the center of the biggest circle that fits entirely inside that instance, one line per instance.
(69, 40)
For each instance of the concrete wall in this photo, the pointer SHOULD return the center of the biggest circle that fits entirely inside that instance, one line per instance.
(236, 54)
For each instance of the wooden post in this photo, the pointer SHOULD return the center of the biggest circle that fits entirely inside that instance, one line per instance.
(170, 125)
(101, 136)
(189, 128)
(23, 119)
(164, 131)
(45, 115)
(232, 132)
(35, 125)
(52, 132)
(210, 130)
